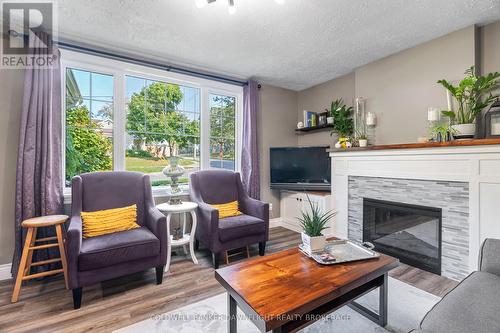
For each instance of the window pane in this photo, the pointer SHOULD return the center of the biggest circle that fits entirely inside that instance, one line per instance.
(222, 131)
(134, 86)
(89, 122)
(158, 128)
(77, 83)
(222, 153)
(102, 87)
(102, 111)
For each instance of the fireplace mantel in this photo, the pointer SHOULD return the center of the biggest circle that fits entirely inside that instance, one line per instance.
(478, 165)
(455, 143)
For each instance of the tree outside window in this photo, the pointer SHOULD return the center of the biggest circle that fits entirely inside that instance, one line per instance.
(89, 126)
(160, 125)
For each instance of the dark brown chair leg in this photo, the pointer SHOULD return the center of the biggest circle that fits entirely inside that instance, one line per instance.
(77, 298)
(215, 259)
(262, 248)
(159, 274)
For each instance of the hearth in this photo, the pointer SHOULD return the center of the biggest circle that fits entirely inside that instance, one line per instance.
(411, 233)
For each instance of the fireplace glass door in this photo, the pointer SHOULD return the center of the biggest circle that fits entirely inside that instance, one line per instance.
(409, 232)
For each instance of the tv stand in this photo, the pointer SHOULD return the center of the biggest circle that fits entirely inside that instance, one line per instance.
(292, 203)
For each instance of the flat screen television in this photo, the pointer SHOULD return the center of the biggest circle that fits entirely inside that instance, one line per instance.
(300, 168)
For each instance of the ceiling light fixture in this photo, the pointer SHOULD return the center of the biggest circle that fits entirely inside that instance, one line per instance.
(231, 6)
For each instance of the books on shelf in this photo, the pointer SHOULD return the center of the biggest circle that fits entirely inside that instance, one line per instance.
(310, 119)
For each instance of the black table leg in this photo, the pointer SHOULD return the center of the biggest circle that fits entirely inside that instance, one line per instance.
(382, 302)
(381, 317)
(232, 313)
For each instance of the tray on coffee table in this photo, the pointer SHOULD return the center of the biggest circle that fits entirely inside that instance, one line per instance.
(341, 251)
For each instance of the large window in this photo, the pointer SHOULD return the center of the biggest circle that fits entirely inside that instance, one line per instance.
(128, 117)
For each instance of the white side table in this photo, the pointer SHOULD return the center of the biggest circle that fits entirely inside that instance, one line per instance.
(187, 238)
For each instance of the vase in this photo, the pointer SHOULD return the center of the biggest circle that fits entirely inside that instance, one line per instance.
(313, 244)
(363, 142)
(174, 171)
(329, 120)
(464, 131)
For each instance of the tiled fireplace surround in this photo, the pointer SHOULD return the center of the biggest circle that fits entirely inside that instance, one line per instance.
(451, 196)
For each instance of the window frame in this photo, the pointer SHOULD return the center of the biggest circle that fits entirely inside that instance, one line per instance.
(119, 70)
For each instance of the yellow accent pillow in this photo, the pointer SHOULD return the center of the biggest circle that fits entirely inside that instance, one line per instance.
(107, 221)
(228, 209)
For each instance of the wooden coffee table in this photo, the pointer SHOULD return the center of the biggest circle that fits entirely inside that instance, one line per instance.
(287, 291)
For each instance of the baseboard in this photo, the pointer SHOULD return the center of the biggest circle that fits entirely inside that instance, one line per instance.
(276, 222)
(5, 272)
(291, 226)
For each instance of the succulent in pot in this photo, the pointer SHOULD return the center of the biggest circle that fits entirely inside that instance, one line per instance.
(313, 222)
(472, 95)
(363, 140)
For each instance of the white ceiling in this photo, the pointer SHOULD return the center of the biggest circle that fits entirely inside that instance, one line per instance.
(295, 45)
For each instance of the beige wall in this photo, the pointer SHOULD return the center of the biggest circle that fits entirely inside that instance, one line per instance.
(320, 97)
(11, 85)
(490, 48)
(401, 87)
(276, 129)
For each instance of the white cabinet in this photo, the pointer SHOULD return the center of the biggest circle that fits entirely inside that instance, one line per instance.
(293, 203)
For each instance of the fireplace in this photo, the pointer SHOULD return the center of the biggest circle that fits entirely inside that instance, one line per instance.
(411, 233)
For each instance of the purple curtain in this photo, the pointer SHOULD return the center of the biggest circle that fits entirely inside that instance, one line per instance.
(250, 173)
(39, 170)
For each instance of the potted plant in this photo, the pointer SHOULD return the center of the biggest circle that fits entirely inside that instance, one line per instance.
(343, 123)
(363, 140)
(333, 108)
(443, 132)
(313, 222)
(471, 100)
(360, 138)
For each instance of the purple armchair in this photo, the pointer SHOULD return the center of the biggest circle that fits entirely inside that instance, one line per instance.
(95, 259)
(221, 186)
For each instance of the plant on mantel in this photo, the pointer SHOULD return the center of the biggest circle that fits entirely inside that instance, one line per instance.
(343, 124)
(313, 222)
(472, 94)
(443, 132)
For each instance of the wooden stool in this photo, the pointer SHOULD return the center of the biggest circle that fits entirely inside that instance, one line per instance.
(29, 246)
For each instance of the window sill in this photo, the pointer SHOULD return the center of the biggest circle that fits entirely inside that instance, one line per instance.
(159, 192)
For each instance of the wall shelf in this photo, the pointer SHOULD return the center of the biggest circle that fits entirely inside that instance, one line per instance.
(314, 128)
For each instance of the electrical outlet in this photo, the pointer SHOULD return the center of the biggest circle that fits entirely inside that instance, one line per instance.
(270, 206)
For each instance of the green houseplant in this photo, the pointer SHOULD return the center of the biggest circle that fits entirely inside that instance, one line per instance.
(313, 222)
(443, 132)
(343, 125)
(361, 138)
(472, 94)
(336, 104)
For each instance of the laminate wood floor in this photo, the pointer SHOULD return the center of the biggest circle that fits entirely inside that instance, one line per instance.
(46, 306)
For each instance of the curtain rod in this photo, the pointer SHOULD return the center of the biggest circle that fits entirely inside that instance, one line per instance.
(149, 63)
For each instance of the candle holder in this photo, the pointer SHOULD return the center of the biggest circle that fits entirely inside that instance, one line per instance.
(433, 117)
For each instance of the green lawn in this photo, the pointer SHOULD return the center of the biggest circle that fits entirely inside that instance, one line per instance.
(151, 165)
